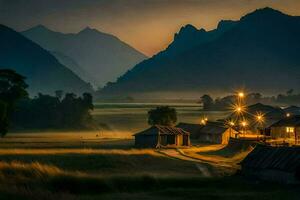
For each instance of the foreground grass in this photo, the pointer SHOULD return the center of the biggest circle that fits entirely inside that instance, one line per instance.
(37, 181)
(50, 168)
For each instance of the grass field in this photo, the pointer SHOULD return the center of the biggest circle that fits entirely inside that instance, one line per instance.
(104, 164)
(58, 167)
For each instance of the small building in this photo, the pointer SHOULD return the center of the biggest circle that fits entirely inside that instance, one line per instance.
(280, 164)
(193, 129)
(159, 136)
(287, 129)
(210, 132)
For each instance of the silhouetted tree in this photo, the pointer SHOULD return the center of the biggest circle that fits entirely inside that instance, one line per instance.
(207, 102)
(290, 92)
(59, 94)
(162, 115)
(3, 118)
(45, 111)
(12, 88)
(253, 98)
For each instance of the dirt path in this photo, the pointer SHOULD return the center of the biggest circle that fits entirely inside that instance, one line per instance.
(217, 161)
(175, 153)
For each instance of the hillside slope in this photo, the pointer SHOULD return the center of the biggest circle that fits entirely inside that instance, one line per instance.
(42, 70)
(101, 55)
(260, 51)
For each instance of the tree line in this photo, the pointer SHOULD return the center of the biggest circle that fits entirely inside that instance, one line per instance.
(224, 103)
(19, 111)
(46, 111)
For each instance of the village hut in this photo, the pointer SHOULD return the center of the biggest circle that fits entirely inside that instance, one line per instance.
(193, 129)
(281, 164)
(158, 136)
(210, 132)
(287, 129)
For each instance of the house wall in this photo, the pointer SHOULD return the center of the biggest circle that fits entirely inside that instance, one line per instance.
(226, 136)
(179, 140)
(168, 140)
(186, 140)
(280, 132)
(215, 138)
(146, 141)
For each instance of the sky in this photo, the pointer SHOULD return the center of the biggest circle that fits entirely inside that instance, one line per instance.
(147, 25)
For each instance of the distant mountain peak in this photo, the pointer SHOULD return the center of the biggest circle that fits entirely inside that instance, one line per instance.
(188, 29)
(40, 26)
(264, 13)
(88, 30)
(40, 29)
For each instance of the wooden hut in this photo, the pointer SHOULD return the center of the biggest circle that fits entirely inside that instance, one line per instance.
(211, 132)
(281, 164)
(158, 136)
(193, 129)
(287, 129)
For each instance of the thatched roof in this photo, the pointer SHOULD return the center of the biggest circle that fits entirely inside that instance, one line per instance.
(163, 130)
(274, 158)
(288, 121)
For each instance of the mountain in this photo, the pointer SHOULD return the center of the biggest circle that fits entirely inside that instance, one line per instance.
(74, 66)
(260, 51)
(43, 71)
(104, 57)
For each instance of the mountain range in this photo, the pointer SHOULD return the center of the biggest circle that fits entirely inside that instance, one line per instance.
(43, 71)
(260, 51)
(95, 56)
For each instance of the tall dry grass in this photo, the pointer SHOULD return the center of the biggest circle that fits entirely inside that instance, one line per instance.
(78, 151)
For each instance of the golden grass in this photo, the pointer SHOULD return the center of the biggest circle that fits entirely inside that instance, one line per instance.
(78, 151)
(69, 135)
(16, 171)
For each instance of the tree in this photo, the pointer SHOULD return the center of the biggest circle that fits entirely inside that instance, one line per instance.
(207, 102)
(3, 118)
(59, 94)
(290, 92)
(12, 88)
(46, 111)
(162, 115)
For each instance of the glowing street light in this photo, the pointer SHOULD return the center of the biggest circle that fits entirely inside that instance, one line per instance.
(288, 114)
(259, 117)
(203, 121)
(239, 109)
(241, 94)
(231, 123)
(244, 123)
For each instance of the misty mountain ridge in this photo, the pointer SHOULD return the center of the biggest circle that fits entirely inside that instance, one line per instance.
(42, 70)
(260, 51)
(102, 56)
